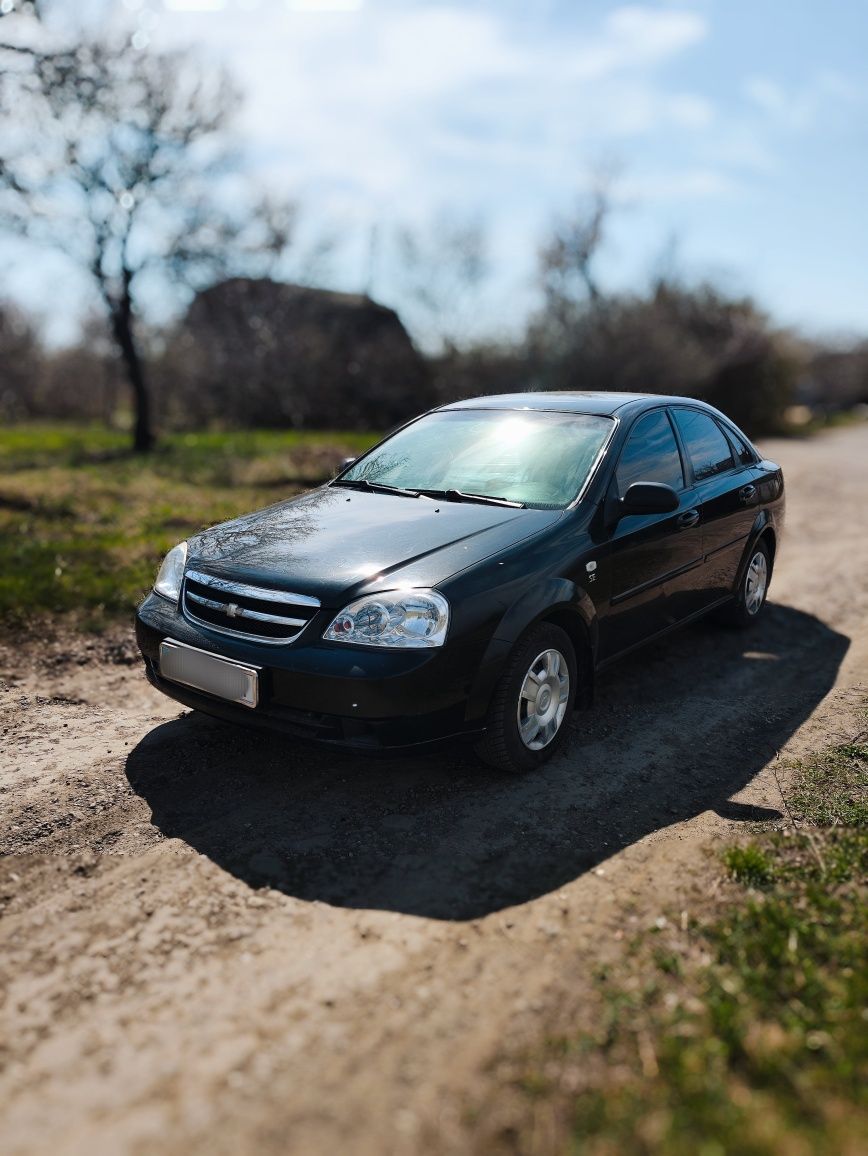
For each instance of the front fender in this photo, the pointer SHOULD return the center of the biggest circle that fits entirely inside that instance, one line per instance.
(553, 596)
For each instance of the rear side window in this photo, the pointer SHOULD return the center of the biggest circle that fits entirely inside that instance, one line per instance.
(650, 455)
(743, 450)
(707, 448)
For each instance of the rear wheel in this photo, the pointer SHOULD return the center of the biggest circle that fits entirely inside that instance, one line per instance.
(532, 703)
(750, 596)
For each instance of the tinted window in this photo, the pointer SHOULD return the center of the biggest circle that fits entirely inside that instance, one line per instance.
(706, 446)
(650, 455)
(743, 450)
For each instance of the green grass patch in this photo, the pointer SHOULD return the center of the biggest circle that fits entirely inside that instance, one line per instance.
(832, 788)
(744, 1030)
(751, 865)
(84, 522)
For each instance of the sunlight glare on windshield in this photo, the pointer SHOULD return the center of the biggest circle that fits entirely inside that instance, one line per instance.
(512, 430)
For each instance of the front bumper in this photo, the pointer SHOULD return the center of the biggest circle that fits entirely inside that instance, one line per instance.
(330, 693)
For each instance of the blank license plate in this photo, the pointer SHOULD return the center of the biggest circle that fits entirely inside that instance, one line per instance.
(218, 676)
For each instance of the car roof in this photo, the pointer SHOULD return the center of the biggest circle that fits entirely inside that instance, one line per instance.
(573, 401)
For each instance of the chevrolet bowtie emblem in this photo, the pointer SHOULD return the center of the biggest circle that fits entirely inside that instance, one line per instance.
(233, 610)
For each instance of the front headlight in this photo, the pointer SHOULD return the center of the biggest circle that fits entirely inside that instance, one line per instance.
(171, 574)
(410, 619)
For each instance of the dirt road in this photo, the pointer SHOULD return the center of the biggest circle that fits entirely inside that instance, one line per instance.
(218, 941)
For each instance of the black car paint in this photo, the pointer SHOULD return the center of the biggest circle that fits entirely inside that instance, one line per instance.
(612, 582)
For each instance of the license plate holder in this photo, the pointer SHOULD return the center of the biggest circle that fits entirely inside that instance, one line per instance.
(200, 669)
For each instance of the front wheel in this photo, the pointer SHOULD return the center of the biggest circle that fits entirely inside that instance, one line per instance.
(750, 596)
(532, 703)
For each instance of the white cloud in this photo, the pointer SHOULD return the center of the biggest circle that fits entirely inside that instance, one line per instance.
(634, 37)
(690, 110)
(193, 5)
(766, 94)
(377, 105)
(803, 108)
(324, 5)
(678, 185)
(741, 146)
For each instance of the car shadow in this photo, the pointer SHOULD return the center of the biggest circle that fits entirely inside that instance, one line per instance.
(678, 729)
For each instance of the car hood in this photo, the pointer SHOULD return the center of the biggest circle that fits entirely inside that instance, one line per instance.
(335, 543)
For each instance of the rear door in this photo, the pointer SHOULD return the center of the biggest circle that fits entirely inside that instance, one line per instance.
(723, 477)
(650, 550)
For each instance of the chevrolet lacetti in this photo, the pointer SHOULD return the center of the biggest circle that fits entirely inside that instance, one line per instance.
(468, 576)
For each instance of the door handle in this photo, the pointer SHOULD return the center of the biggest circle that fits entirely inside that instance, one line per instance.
(687, 519)
(746, 494)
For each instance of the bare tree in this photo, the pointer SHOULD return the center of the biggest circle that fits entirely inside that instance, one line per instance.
(568, 256)
(129, 178)
(21, 362)
(440, 271)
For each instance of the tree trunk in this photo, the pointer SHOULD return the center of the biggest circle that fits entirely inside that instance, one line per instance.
(122, 327)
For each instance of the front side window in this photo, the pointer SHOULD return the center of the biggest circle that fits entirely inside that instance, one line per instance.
(650, 455)
(707, 448)
(538, 458)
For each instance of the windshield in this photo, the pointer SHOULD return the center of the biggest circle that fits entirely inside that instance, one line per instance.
(533, 457)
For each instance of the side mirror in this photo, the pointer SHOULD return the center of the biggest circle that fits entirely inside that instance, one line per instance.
(346, 463)
(648, 498)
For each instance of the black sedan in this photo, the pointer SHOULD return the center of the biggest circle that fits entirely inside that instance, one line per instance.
(469, 575)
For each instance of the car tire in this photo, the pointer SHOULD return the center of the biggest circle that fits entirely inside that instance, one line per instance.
(524, 732)
(752, 589)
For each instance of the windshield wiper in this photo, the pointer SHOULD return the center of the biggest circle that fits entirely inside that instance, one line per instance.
(446, 495)
(461, 496)
(375, 487)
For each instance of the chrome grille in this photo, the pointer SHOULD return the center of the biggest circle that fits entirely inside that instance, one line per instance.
(255, 612)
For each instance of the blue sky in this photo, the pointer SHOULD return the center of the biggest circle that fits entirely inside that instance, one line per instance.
(739, 131)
